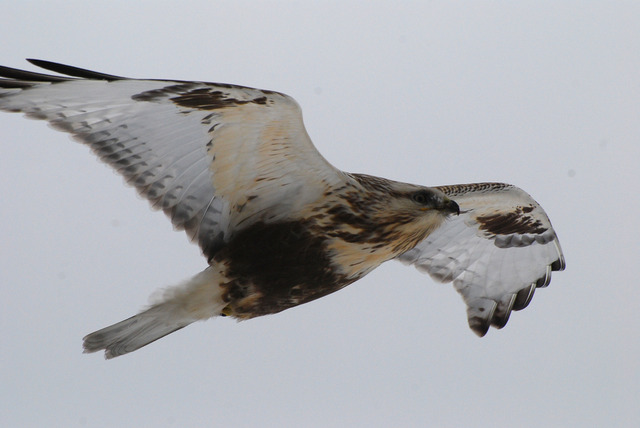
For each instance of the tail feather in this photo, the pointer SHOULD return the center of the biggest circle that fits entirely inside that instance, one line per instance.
(131, 334)
(197, 299)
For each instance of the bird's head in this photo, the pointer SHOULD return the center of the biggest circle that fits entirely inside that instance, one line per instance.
(419, 204)
(416, 211)
(399, 212)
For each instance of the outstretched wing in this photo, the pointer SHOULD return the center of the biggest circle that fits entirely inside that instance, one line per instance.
(211, 156)
(496, 252)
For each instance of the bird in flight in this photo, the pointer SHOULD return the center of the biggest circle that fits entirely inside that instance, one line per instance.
(280, 226)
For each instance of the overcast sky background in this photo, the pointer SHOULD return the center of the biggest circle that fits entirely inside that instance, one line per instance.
(542, 94)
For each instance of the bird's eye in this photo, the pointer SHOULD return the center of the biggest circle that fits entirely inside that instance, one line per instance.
(423, 198)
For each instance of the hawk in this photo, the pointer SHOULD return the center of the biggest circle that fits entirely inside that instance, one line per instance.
(234, 168)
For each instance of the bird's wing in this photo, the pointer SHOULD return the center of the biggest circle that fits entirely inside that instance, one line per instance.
(496, 252)
(213, 157)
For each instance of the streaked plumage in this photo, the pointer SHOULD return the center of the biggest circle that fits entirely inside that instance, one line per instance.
(278, 224)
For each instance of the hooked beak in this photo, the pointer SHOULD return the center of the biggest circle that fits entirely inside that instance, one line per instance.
(450, 206)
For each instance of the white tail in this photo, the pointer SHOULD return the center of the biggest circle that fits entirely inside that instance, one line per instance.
(197, 299)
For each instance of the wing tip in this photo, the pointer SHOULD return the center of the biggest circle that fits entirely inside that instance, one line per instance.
(524, 297)
(69, 70)
(480, 329)
(502, 313)
(545, 279)
(479, 315)
(559, 264)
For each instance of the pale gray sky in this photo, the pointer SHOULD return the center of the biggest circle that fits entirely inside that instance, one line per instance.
(542, 94)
